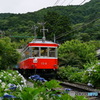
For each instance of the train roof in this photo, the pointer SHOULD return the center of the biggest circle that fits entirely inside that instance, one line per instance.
(42, 43)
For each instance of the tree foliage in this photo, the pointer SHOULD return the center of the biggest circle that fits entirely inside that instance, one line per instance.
(8, 54)
(76, 53)
(56, 24)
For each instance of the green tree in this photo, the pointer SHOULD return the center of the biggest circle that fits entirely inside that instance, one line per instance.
(56, 24)
(8, 54)
(76, 53)
(84, 37)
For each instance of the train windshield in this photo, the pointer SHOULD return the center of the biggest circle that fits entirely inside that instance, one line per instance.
(44, 52)
(40, 52)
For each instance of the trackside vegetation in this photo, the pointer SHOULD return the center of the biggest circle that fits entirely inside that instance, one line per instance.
(8, 54)
(13, 86)
(79, 63)
(77, 53)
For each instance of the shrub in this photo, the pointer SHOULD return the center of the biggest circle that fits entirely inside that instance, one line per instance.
(8, 54)
(39, 91)
(69, 73)
(76, 77)
(11, 80)
(76, 53)
(92, 75)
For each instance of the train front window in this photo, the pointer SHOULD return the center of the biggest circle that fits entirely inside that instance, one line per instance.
(35, 51)
(52, 52)
(44, 51)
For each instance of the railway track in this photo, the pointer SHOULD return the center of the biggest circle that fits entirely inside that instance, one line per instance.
(79, 89)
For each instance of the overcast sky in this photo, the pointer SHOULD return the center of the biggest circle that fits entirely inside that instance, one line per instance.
(24, 6)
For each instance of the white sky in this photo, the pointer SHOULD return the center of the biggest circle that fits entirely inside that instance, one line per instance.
(24, 6)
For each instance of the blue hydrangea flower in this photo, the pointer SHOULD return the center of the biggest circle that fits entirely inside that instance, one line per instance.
(8, 96)
(34, 76)
(12, 88)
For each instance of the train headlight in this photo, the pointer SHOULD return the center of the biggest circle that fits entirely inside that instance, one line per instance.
(33, 66)
(55, 66)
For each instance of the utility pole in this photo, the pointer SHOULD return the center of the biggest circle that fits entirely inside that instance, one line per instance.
(54, 38)
(34, 28)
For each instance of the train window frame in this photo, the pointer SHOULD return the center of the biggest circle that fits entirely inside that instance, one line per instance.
(47, 54)
(24, 55)
(55, 51)
(36, 51)
(43, 52)
(30, 49)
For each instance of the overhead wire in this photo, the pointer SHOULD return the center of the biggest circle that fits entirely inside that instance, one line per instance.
(70, 2)
(63, 2)
(56, 2)
(64, 34)
(78, 28)
(71, 13)
(82, 2)
(79, 4)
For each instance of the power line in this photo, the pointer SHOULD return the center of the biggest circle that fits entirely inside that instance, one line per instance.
(70, 2)
(56, 2)
(72, 9)
(71, 13)
(80, 26)
(82, 2)
(76, 29)
(78, 5)
(63, 2)
(16, 36)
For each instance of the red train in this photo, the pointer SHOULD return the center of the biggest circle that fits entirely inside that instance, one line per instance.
(39, 56)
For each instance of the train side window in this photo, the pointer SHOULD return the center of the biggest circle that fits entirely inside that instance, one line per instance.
(52, 52)
(35, 51)
(26, 53)
(23, 56)
(44, 51)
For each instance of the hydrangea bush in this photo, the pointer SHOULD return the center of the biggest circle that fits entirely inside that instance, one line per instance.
(10, 80)
(13, 86)
(92, 75)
